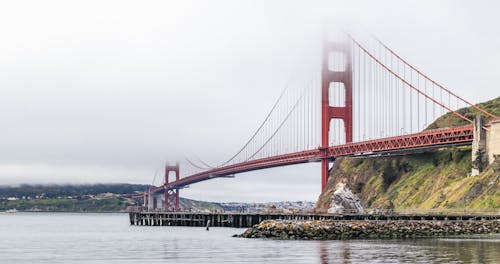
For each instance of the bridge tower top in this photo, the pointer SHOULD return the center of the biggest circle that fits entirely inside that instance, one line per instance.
(337, 54)
(171, 195)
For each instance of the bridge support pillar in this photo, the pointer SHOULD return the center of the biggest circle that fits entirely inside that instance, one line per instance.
(171, 195)
(325, 171)
(493, 141)
(146, 199)
(479, 155)
(343, 78)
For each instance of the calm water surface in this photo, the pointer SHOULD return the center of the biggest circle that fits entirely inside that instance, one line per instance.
(108, 238)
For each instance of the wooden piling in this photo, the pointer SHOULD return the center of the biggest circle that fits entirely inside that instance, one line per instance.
(243, 220)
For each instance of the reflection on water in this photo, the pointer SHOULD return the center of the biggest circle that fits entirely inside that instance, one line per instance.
(108, 238)
(475, 249)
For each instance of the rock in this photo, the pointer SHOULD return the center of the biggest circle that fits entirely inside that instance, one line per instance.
(286, 229)
(344, 199)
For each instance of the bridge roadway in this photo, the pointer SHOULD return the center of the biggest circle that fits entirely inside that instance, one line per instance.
(428, 139)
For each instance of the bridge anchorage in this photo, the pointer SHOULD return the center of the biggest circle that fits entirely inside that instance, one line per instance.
(366, 100)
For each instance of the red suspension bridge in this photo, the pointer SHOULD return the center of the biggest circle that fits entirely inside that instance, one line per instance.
(366, 101)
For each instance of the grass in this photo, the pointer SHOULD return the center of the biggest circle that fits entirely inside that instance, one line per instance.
(450, 119)
(437, 180)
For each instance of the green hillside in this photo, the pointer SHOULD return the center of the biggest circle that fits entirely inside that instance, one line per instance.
(438, 179)
(450, 119)
(82, 198)
(94, 204)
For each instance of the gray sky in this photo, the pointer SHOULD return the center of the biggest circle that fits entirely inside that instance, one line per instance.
(107, 91)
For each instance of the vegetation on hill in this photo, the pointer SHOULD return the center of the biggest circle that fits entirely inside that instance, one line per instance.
(55, 191)
(450, 119)
(82, 198)
(94, 204)
(437, 179)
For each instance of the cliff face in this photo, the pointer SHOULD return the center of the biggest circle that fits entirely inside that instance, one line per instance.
(423, 181)
(429, 180)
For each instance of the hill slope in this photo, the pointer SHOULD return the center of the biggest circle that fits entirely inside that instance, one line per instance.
(82, 198)
(436, 179)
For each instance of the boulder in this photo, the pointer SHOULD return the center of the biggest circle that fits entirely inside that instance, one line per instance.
(344, 200)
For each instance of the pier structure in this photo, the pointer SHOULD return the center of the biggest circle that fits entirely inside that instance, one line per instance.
(245, 220)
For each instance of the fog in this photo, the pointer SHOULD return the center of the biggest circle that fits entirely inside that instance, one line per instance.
(108, 91)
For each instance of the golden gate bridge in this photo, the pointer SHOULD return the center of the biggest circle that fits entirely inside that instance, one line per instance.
(365, 101)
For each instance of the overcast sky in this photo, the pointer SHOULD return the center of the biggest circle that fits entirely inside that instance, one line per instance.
(108, 91)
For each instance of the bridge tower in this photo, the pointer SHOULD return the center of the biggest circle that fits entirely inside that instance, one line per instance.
(171, 195)
(335, 77)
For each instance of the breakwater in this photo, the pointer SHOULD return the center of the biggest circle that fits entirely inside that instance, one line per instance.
(388, 229)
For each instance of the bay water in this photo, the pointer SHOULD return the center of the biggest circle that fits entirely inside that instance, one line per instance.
(109, 238)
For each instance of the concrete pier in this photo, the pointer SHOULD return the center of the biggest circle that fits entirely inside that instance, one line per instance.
(493, 141)
(479, 155)
(244, 220)
(486, 144)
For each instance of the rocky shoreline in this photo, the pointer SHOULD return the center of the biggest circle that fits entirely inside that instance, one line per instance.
(337, 230)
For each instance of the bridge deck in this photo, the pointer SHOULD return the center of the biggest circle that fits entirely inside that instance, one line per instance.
(427, 139)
